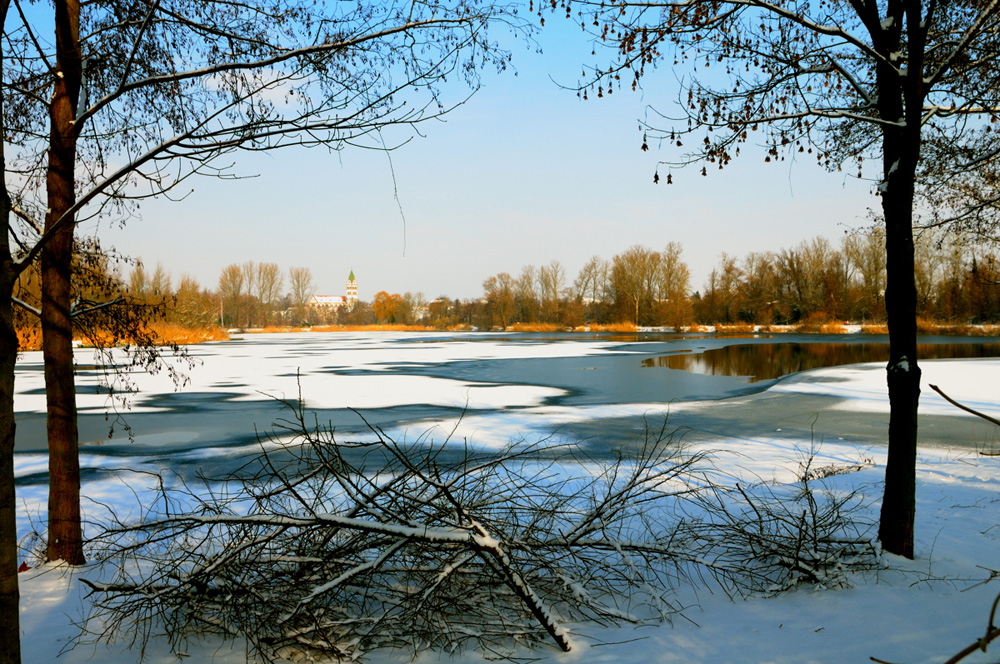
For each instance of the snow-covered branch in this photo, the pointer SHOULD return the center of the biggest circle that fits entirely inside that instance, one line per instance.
(324, 547)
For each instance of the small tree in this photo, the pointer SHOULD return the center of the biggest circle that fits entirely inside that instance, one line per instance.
(386, 307)
(911, 85)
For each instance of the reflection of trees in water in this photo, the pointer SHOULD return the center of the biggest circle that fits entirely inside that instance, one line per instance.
(773, 360)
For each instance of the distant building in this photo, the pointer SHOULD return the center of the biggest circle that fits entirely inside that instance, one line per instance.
(352, 289)
(347, 301)
(326, 301)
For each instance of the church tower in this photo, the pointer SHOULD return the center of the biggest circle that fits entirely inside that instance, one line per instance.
(352, 290)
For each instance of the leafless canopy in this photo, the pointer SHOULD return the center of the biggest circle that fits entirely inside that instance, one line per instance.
(170, 86)
(806, 74)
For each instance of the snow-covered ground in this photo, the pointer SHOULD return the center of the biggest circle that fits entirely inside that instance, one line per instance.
(910, 611)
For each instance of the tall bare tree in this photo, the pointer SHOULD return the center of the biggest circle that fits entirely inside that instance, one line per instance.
(551, 282)
(193, 306)
(674, 284)
(232, 288)
(300, 281)
(252, 308)
(137, 96)
(526, 295)
(757, 288)
(898, 83)
(269, 284)
(159, 283)
(592, 281)
(633, 279)
(138, 282)
(867, 252)
(499, 291)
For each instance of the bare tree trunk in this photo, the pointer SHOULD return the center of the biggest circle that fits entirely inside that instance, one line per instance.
(903, 376)
(10, 632)
(10, 628)
(901, 153)
(65, 539)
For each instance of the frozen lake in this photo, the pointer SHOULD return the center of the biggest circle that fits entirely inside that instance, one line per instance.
(732, 398)
(595, 390)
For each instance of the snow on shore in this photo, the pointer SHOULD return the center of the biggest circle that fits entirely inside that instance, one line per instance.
(919, 611)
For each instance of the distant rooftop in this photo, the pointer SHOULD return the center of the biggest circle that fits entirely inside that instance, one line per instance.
(328, 299)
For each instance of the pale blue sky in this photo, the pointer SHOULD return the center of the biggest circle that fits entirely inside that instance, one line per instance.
(522, 173)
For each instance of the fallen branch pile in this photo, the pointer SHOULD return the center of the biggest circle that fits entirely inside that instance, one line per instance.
(324, 547)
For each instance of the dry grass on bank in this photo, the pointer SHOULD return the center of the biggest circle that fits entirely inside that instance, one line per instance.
(165, 334)
(932, 327)
(830, 327)
(30, 338)
(171, 333)
(926, 326)
(536, 327)
(725, 329)
(624, 326)
(387, 327)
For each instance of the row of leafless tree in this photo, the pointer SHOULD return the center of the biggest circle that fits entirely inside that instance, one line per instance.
(250, 294)
(958, 279)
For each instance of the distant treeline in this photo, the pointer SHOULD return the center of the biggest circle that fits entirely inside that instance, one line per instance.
(958, 281)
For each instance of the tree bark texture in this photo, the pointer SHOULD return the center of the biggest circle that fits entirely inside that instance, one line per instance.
(901, 101)
(10, 624)
(903, 376)
(65, 538)
(10, 632)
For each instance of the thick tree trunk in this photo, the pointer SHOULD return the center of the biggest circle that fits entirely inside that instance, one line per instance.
(900, 100)
(901, 153)
(65, 538)
(10, 631)
(10, 624)
(903, 377)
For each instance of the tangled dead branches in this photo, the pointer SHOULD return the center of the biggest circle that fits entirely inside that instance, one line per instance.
(763, 539)
(338, 548)
(345, 547)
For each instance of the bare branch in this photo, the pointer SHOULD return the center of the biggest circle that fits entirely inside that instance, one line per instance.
(963, 407)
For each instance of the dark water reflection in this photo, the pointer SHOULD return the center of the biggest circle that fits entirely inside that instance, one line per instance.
(773, 360)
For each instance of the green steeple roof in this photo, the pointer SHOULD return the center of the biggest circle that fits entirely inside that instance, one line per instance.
(351, 277)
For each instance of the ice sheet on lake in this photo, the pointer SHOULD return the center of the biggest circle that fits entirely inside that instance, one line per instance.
(863, 386)
(326, 365)
(903, 614)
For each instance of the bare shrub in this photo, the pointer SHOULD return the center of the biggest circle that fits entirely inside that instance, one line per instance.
(765, 538)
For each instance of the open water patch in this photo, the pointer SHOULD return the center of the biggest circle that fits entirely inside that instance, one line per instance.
(760, 362)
